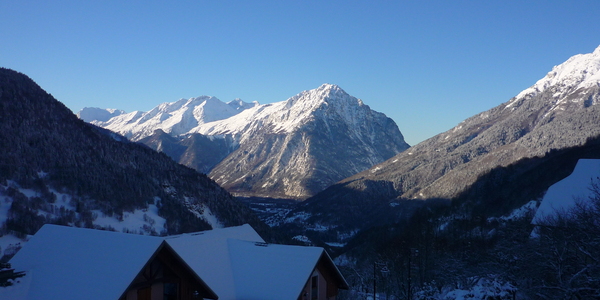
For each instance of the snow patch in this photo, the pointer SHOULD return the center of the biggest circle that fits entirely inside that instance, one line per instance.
(338, 245)
(302, 238)
(298, 217)
(202, 212)
(518, 213)
(145, 221)
(318, 227)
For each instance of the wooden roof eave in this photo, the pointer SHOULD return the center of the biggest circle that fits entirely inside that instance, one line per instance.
(209, 293)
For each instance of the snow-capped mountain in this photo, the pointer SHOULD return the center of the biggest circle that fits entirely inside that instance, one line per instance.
(298, 147)
(581, 71)
(292, 148)
(90, 114)
(559, 111)
(174, 118)
(484, 152)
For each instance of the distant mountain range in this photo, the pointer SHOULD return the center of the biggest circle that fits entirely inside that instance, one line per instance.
(323, 144)
(501, 147)
(289, 149)
(55, 168)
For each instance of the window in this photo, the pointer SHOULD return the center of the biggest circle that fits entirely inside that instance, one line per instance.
(170, 291)
(144, 293)
(314, 288)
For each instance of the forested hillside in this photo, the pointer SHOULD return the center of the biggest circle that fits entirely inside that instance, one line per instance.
(55, 168)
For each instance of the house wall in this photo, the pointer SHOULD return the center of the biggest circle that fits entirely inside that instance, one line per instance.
(156, 290)
(324, 287)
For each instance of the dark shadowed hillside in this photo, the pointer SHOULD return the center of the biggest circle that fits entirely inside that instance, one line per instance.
(55, 168)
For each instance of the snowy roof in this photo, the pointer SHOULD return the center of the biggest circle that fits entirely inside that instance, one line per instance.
(561, 195)
(207, 253)
(237, 264)
(75, 263)
(271, 271)
(234, 262)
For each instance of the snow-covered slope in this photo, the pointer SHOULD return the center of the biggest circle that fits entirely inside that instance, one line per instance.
(298, 147)
(579, 71)
(293, 148)
(559, 111)
(287, 116)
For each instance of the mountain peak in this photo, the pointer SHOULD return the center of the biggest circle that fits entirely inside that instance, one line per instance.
(324, 94)
(292, 148)
(328, 89)
(174, 118)
(240, 105)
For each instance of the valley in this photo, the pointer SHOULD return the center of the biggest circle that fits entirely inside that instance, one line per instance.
(451, 215)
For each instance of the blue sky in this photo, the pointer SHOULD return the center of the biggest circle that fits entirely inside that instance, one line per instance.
(426, 64)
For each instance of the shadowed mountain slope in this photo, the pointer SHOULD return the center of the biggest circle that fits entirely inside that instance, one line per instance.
(55, 168)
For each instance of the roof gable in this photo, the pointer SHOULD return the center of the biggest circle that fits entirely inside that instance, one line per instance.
(207, 252)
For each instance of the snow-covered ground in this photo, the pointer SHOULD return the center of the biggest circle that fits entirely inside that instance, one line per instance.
(302, 238)
(518, 213)
(141, 220)
(9, 244)
(203, 212)
(488, 287)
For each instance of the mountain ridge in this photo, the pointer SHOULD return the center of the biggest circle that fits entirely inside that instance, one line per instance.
(535, 123)
(287, 149)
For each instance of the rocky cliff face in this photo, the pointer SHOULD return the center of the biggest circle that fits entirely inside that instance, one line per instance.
(289, 149)
(298, 147)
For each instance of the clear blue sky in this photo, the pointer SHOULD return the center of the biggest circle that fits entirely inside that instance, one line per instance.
(426, 64)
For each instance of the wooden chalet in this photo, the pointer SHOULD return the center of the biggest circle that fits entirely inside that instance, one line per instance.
(231, 263)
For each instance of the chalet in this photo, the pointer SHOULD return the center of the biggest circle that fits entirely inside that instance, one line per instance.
(252, 269)
(231, 263)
